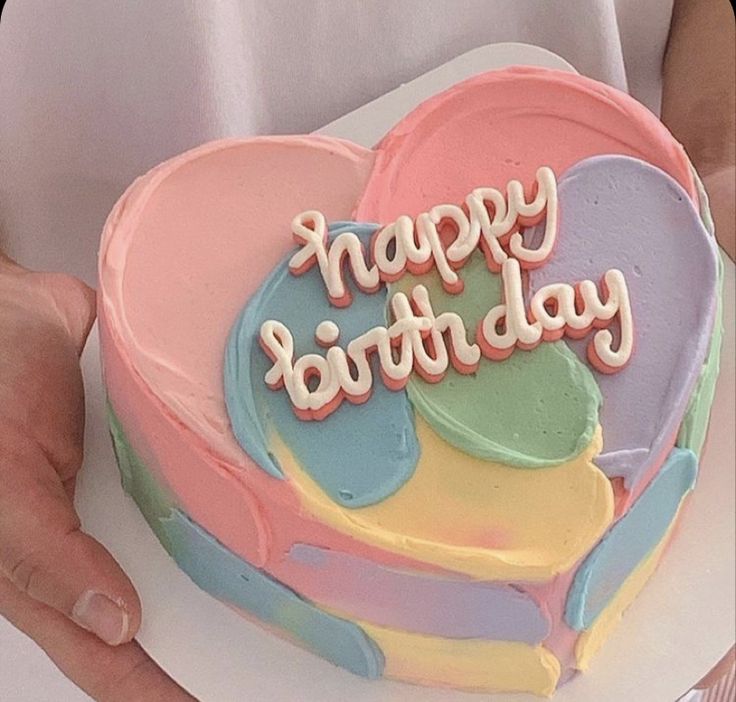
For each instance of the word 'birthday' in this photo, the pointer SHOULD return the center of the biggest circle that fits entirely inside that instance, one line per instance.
(417, 339)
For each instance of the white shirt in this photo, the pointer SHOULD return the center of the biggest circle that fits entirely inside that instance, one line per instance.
(95, 92)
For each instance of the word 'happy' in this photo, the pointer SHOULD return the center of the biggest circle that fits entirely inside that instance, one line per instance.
(417, 339)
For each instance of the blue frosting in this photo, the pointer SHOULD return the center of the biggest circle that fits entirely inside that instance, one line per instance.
(226, 576)
(630, 540)
(229, 578)
(360, 454)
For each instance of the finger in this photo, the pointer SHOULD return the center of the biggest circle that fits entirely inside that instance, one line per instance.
(73, 301)
(106, 674)
(45, 319)
(41, 389)
(62, 298)
(44, 553)
(70, 487)
(720, 186)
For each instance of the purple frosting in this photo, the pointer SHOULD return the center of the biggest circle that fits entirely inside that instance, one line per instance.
(619, 212)
(451, 607)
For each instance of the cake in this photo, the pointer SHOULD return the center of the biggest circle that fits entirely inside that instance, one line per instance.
(429, 410)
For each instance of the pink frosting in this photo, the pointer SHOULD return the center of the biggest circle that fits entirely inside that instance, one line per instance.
(502, 125)
(221, 212)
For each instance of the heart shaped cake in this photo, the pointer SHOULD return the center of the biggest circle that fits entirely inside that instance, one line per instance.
(430, 410)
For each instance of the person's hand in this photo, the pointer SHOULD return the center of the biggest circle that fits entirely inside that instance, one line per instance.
(699, 101)
(57, 584)
(721, 188)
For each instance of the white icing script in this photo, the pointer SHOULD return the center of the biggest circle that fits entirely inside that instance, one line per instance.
(346, 373)
(416, 246)
(419, 341)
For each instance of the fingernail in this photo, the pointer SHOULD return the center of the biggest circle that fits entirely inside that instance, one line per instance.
(102, 616)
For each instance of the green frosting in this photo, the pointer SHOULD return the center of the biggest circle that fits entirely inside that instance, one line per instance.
(154, 502)
(534, 409)
(695, 424)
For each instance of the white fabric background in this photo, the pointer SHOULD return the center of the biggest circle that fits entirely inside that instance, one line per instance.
(95, 92)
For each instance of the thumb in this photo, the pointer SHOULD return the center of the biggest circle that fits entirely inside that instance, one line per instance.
(73, 301)
(46, 555)
(63, 298)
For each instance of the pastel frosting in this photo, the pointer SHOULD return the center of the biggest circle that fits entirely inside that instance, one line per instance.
(383, 450)
(638, 212)
(496, 539)
(547, 391)
(469, 662)
(694, 425)
(163, 239)
(591, 640)
(630, 540)
(488, 130)
(237, 582)
(446, 606)
(457, 534)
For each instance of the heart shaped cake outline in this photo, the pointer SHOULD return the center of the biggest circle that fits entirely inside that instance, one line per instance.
(226, 477)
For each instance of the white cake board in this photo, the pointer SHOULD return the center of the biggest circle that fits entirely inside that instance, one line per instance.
(680, 626)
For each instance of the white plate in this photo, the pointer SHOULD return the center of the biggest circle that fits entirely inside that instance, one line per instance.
(674, 633)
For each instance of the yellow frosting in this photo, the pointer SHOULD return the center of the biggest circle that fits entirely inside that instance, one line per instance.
(482, 518)
(592, 639)
(469, 664)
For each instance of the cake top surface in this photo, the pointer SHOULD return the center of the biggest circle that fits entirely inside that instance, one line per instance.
(195, 259)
